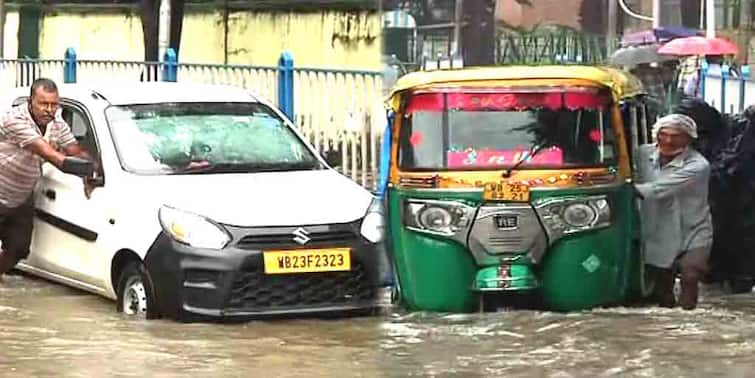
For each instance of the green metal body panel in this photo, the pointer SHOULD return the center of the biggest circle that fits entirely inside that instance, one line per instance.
(592, 268)
(522, 278)
(580, 271)
(434, 273)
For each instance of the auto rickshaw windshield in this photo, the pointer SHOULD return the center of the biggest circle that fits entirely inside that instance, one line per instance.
(472, 131)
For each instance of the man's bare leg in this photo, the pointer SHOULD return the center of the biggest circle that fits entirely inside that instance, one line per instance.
(7, 262)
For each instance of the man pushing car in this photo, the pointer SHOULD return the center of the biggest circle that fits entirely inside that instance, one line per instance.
(30, 134)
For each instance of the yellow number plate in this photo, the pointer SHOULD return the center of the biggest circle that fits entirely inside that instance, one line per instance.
(504, 191)
(307, 260)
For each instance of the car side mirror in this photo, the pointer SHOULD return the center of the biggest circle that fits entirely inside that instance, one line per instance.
(77, 166)
(96, 181)
(332, 157)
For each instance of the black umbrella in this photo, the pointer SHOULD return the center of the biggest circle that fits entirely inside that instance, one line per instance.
(632, 56)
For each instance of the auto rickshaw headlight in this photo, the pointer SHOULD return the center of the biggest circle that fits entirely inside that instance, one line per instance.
(579, 215)
(435, 218)
(444, 218)
(568, 215)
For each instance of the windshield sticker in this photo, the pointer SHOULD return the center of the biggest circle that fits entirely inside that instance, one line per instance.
(596, 135)
(455, 101)
(416, 139)
(552, 156)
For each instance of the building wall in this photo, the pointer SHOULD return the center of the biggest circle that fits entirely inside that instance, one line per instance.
(545, 12)
(327, 39)
(112, 35)
(10, 37)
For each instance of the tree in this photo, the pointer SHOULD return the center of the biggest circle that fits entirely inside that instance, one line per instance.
(479, 36)
(150, 16)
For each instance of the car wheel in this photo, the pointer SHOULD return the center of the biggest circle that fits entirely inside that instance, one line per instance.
(647, 281)
(135, 296)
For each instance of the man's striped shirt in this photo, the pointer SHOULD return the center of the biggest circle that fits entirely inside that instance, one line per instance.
(20, 168)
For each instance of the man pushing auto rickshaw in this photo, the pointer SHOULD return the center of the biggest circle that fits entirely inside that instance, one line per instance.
(676, 222)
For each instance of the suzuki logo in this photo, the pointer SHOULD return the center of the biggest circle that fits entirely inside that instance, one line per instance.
(301, 236)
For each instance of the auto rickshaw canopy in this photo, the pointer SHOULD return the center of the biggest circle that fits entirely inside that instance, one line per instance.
(620, 83)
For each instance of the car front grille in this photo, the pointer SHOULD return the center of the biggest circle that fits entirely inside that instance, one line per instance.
(332, 237)
(253, 290)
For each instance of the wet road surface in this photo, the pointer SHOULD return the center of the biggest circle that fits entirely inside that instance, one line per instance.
(47, 330)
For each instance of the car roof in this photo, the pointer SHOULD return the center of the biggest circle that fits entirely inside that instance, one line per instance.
(120, 93)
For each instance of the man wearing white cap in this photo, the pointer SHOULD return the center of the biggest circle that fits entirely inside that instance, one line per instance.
(677, 229)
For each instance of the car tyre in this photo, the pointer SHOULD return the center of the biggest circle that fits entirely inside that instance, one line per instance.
(135, 292)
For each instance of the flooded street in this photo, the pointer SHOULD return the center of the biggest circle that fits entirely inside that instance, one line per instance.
(49, 330)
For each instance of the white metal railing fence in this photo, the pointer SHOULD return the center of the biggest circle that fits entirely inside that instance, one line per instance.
(104, 71)
(342, 111)
(729, 95)
(22, 72)
(339, 110)
(260, 80)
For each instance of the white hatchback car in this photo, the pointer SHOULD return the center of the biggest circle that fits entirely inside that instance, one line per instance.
(208, 203)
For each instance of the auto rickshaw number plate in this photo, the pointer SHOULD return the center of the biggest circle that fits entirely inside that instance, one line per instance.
(504, 191)
(307, 260)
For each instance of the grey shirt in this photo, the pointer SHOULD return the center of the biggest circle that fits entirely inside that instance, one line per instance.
(675, 215)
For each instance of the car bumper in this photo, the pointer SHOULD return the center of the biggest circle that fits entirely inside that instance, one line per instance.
(192, 283)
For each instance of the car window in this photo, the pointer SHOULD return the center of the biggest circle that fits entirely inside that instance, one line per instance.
(81, 127)
(78, 123)
(187, 138)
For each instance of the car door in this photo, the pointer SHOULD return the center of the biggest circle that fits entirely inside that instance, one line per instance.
(68, 224)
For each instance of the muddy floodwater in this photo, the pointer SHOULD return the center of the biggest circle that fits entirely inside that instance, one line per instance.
(47, 330)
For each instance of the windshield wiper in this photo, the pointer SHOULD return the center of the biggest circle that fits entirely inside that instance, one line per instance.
(250, 167)
(533, 151)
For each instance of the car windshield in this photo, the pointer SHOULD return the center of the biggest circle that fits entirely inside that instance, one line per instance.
(469, 131)
(192, 138)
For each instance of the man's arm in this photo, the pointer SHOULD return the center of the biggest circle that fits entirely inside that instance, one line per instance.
(68, 142)
(40, 147)
(75, 149)
(668, 185)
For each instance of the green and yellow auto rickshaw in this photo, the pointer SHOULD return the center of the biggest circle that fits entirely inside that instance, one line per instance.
(508, 182)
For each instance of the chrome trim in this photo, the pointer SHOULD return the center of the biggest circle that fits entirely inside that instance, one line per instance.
(532, 188)
(612, 185)
(487, 242)
(459, 235)
(525, 281)
(431, 190)
(557, 229)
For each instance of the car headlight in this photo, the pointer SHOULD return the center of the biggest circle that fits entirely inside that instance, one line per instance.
(444, 218)
(568, 215)
(192, 229)
(373, 224)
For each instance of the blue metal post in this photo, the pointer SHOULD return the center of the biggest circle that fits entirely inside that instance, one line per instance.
(286, 84)
(385, 157)
(724, 77)
(170, 65)
(743, 79)
(69, 66)
(701, 78)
